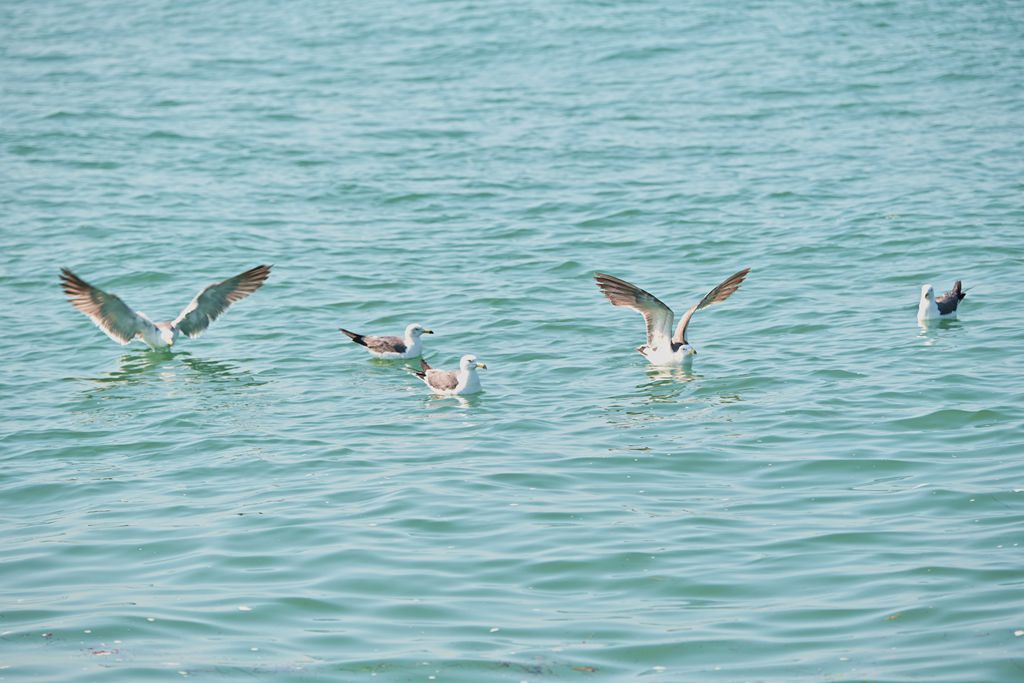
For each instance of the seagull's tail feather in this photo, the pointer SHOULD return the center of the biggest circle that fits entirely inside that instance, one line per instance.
(357, 338)
(958, 291)
(422, 372)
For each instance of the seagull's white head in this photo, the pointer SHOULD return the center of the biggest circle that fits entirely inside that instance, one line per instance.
(167, 333)
(469, 362)
(415, 331)
(927, 292)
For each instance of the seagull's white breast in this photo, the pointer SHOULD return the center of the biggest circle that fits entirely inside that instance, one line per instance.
(664, 355)
(929, 310)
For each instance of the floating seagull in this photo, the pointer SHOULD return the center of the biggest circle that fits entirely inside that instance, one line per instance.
(448, 383)
(124, 325)
(661, 349)
(392, 348)
(933, 307)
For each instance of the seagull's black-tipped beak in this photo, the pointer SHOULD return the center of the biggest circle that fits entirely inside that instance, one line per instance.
(428, 332)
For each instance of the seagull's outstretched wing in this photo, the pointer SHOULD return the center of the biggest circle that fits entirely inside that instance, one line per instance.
(110, 314)
(215, 299)
(716, 295)
(657, 315)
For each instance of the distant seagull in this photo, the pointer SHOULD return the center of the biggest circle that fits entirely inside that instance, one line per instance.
(661, 349)
(124, 325)
(392, 348)
(933, 308)
(448, 383)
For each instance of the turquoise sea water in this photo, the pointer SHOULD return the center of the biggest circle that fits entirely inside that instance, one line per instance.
(831, 493)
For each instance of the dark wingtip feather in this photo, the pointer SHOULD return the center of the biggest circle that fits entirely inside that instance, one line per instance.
(617, 291)
(729, 287)
(357, 338)
(255, 277)
(72, 285)
(604, 280)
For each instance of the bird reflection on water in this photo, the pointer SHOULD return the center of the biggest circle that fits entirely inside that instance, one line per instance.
(668, 384)
(436, 401)
(930, 330)
(141, 366)
(682, 385)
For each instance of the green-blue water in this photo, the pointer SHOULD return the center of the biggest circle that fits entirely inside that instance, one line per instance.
(830, 494)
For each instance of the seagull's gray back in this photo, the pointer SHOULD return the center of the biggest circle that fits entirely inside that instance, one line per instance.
(385, 344)
(444, 380)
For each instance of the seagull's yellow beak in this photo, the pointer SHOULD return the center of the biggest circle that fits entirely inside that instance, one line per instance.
(482, 366)
(693, 351)
(428, 332)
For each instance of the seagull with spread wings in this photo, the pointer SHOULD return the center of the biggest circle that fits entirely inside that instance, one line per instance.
(663, 347)
(124, 325)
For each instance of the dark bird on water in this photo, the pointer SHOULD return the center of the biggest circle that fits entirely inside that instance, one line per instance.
(934, 307)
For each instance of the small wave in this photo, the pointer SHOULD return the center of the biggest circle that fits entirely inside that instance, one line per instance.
(165, 135)
(952, 418)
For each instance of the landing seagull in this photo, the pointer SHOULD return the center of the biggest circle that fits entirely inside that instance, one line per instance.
(392, 348)
(124, 325)
(933, 307)
(448, 383)
(661, 349)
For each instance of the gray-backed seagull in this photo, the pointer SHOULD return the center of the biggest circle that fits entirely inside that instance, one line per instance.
(392, 348)
(124, 325)
(450, 383)
(663, 347)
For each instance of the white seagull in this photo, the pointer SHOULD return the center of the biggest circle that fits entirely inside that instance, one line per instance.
(932, 307)
(392, 348)
(449, 383)
(124, 325)
(661, 348)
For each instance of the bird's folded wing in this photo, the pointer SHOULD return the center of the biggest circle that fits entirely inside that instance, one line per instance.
(947, 303)
(716, 295)
(211, 302)
(385, 344)
(110, 314)
(657, 315)
(442, 380)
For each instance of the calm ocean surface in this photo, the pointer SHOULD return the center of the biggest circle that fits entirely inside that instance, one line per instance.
(830, 494)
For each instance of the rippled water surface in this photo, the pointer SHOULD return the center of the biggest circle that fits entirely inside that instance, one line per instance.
(830, 493)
